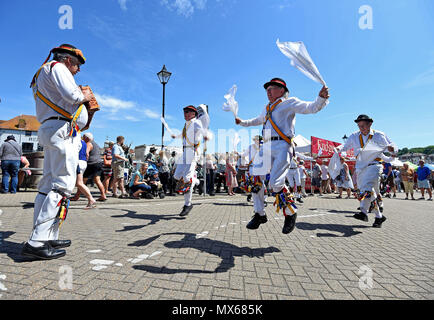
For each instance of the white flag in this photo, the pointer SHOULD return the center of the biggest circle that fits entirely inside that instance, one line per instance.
(296, 51)
(335, 165)
(166, 125)
(370, 152)
(231, 104)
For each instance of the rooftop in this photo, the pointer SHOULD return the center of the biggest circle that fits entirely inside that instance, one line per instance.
(21, 122)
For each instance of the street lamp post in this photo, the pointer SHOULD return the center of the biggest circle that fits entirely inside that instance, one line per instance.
(164, 77)
(345, 138)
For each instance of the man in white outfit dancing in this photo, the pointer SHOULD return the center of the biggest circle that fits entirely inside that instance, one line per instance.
(278, 120)
(185, 171)
(368, 171)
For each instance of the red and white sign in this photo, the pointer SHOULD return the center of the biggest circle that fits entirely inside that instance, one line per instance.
(323, 148)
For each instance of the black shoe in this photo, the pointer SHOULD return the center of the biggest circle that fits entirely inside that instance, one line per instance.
(300, 200)
(378, 222)
(249, 198)
(361, 216)
(45, 252)
(186, 210)
(57, 244)
(289, 224)
(381, 209)
(212, 194)
(256, 221)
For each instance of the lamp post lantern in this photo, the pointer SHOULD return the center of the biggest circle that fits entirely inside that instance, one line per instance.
(164, 77)
(345, 138)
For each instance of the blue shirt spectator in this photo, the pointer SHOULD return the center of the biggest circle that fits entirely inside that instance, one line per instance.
(423, 173)
(386, 169)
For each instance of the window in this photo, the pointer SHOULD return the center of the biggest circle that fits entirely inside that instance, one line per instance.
(27, 147)
(28, 133)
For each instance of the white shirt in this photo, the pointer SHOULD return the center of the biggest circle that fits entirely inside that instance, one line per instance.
(353, 142)
(324, 172)
(301, 171)
(194, 133)
(58, 85)
(284, 115)
(293, 164)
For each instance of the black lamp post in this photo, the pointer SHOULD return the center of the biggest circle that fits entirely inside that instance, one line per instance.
(164, 77)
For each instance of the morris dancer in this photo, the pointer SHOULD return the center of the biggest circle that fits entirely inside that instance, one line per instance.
(249, 154)
(59, 109)
(185, 171)
(294, 178)
(368, 172)
(278, 120)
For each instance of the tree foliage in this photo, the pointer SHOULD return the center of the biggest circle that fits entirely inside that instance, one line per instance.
(424, 150)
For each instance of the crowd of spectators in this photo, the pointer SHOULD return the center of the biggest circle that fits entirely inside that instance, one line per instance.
(115, 173)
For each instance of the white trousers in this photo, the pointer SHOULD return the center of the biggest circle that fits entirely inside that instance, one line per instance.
(367, 180)
(186, 169)
(59, 175)
(294, 180)
(279, 153)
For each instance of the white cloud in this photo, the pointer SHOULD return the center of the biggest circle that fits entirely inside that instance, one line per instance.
(112, 104)
(184, 7)
(133, 119)
(425, 78)
(151, 114)
(123, 4)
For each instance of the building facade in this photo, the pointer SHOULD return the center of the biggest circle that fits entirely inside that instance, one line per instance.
(25, 130)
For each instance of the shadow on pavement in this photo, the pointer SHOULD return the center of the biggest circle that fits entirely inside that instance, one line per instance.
(12, 249)
(28, 205)
(233, 204)
(226, 251)
(153, 218)
(347, 231)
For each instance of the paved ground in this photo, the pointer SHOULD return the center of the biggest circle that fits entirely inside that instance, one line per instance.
(142, 249)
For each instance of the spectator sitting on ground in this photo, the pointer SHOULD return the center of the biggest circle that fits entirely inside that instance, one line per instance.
(139, 183)
(154, 182)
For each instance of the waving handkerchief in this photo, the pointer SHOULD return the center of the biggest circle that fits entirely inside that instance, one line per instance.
(166, 125)
(231, 104)
(296, 51)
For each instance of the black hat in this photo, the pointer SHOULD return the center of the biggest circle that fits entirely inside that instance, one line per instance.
(276, 82)
(152, 149)
(190, 107)
(363, 117)
(11, 137)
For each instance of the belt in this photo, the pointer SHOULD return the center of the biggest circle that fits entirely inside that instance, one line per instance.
(274, 139)
(56, 118)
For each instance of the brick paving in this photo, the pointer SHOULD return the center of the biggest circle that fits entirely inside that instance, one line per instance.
(141, 249)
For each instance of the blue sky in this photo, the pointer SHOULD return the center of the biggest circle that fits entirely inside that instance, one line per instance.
(386, 72)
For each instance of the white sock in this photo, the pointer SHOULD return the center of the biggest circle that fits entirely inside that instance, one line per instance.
(35, 244)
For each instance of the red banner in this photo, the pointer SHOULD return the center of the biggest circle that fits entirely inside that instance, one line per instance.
(322, 148)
